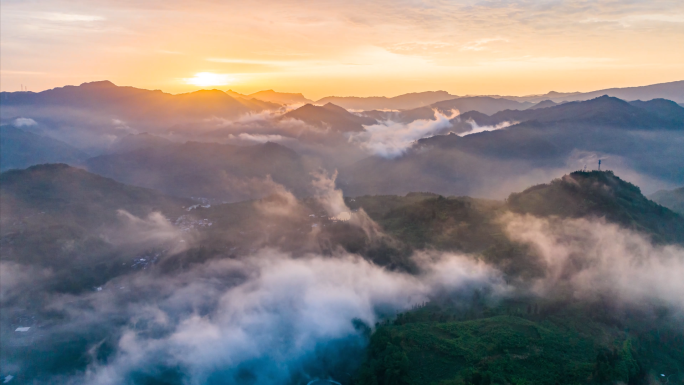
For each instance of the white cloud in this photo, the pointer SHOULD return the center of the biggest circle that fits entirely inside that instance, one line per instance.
(476, 129)
(24, 122)
(390, 139)
(277, 315)
(593, 257)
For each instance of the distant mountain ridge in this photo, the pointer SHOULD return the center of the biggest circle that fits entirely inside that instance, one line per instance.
(604, 110)
(136, 103)
(401, 102)
(671, 90)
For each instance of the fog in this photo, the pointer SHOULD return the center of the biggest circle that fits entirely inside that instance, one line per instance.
(390, 139)
(591, 258)
(264, 317)
(476, 128)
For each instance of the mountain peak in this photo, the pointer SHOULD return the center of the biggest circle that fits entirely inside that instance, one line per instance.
(600, 194)
(98, 84)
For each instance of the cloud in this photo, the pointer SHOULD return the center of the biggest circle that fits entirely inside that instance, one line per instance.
(481, 44)
(476, 129)
(631, 20)
(590, 258)
(279, 202)
(154, 230)
(390, 139)
(327, 195)
(257, 138)
(69, 17)
(16, 280)
(24, 122)
(273, 318)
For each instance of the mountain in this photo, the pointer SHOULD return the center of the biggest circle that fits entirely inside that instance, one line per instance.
(543, 104)
(600, 194)
(401, 102)
(279, 97)
(132, 103)
(210, 170)
(90, 115)
(70, 193)
(556, 139)
(482, 338)
(20, 149)
(429, 221)
(601, 111)
(482, 104)
(663, 108)
(330, 116)
(671, 90)
(672, 199)
(65, 219)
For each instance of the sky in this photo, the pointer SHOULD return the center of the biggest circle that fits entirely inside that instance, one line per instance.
(352, 47)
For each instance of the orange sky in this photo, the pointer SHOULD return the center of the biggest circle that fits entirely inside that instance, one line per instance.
(325, 47)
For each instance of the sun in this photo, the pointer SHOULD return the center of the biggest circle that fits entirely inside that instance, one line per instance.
(206, 79)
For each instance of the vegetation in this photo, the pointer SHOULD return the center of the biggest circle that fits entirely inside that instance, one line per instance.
(522, 342)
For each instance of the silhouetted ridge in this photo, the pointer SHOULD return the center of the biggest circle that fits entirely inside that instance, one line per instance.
(98, 84)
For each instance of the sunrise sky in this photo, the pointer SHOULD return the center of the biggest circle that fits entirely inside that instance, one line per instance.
(350, 47)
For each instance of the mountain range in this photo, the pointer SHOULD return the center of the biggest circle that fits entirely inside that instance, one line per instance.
(198, 143)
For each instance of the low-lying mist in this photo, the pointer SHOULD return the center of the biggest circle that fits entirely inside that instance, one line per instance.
(390, 139)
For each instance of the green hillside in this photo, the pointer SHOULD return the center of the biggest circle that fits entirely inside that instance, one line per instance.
(55, 216)
(522, 343)
(600, 194)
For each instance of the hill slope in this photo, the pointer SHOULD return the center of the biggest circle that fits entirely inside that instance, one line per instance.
(67, 219)
(20, 149)
(210, 170)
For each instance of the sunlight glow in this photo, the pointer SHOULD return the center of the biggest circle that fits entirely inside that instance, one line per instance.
(206, 79)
